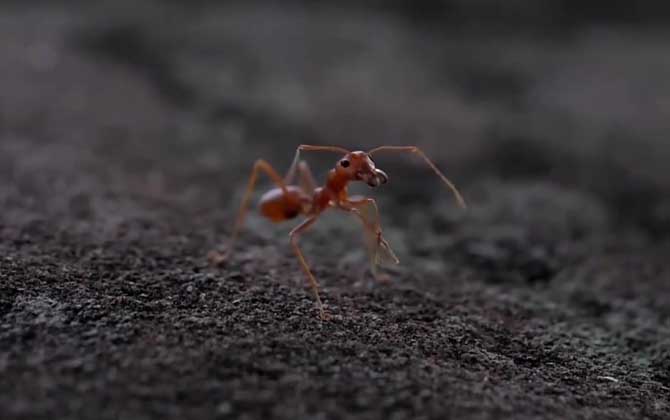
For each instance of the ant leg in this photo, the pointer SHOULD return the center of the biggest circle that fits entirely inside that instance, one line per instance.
(379, 249)
(417, 151)
(310, 148)
(359, 205)
(217, 257)
(305, 177)
(303, 263)
(307, 181)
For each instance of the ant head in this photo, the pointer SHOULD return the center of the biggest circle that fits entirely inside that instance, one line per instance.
(358, 166)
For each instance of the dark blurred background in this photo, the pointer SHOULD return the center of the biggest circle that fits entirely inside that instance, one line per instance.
(127, 132)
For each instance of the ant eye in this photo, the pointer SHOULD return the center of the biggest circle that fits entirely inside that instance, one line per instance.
(344, 163)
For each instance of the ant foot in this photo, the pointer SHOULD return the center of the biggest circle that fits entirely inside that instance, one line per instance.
(217, 258)
(325, 316)
(383, 278)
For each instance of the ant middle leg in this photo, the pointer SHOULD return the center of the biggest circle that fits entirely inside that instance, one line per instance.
(217, 257)
(293, 235)
(306, 179)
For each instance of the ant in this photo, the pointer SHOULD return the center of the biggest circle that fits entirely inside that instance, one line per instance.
(287, 201)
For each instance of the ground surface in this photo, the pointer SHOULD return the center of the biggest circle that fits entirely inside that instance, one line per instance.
(126, 134)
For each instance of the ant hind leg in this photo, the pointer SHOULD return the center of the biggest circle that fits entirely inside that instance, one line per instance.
(217, 257)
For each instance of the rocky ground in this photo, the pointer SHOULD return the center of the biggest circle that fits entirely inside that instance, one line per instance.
(127, 131)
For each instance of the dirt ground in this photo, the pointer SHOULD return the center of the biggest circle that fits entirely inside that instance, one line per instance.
(127, 131)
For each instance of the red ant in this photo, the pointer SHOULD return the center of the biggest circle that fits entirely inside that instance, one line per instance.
(288, 201)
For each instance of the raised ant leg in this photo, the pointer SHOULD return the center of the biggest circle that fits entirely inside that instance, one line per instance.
(417, 151)
(379, 249)
(303, 263)
(357, 206)
(217, 257)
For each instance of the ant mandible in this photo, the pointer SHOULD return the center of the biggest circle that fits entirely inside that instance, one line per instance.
(287, 201)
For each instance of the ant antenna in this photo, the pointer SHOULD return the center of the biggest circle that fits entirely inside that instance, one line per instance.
(416, 150)
(310, 148)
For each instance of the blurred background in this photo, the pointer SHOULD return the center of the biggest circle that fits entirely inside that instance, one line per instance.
(571, 93)
(128, 130)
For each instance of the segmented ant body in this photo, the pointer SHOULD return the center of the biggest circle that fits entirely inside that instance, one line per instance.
(288, 201)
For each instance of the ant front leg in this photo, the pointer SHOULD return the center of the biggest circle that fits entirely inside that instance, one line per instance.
(260, 165)
(303, 263)
(359, 208)
(379, 249)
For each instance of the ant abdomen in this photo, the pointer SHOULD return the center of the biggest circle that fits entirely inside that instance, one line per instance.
(279, 206)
